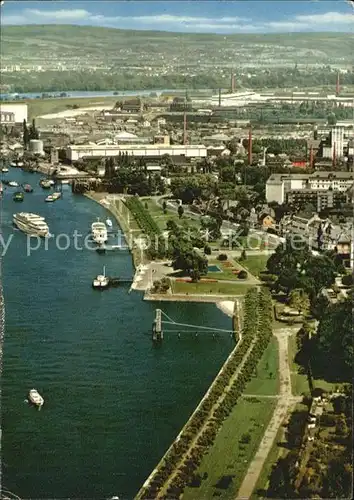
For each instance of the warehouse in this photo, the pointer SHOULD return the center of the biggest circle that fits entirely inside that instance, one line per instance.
(76, 152)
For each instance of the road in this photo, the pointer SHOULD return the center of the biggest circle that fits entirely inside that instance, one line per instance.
(285, 402)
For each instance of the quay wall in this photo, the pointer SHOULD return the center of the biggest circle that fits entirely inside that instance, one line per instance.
(238, 312)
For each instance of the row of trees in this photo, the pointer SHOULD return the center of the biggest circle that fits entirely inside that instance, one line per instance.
(219, 402)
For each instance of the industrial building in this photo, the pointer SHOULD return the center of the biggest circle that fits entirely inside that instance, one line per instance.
(284, 188)
(18, 110)
(77, 152)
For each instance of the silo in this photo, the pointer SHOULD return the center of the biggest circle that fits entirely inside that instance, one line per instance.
(36, 146)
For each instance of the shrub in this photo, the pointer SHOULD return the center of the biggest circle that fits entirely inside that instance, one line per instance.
(347, 280)
(242, 275)
(207, 250)
(222, 256)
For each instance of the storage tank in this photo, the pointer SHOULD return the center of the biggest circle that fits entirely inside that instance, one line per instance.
(36, 146)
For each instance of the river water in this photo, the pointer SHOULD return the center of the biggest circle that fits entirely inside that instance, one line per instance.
(113, 400)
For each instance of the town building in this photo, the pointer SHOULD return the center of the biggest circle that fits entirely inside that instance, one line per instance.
(286, 188)
(76, 152)
(7, 118)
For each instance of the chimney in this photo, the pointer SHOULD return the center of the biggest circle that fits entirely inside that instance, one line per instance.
(337, 85)
(219, 98)
(232, 82)
(334, 155)
(185, 128)
(311, 157)
(250, 146)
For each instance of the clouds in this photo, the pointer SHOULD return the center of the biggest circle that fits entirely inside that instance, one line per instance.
(328, 21)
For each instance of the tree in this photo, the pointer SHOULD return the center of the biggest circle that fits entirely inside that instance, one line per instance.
(300, 301)
(242, 275)
(26, 138)
(331, 119)
(180, 211)
(243, 255)
(207, 250)
(164, 206)
(341, 426)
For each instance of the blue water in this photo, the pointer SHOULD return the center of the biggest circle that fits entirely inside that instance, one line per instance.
(113, 400)
(84, 93)
(214, 269)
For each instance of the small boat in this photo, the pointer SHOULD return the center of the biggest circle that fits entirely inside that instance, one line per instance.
(109, 223)
(101, 249)
(35, 398)
(20, 164)
(13, 164)
(4, 170)
(50, 198)
(56, 196)
(18, 196)
(101, 281)
(28, 188)
(13, 184)
(45, 184)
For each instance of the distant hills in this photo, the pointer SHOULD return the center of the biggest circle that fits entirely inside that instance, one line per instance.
(65, 42)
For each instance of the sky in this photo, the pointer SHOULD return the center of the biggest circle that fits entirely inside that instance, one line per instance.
(221, 16)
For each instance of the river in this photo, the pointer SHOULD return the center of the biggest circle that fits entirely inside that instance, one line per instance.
(113, 400)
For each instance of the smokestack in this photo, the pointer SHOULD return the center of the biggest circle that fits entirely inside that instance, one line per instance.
(337, 85)
(250, 146)
(185, 128)
(219, 98)
(311, 157)
(232, 82)
(334, 155)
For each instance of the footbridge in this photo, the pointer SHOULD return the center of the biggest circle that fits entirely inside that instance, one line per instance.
(164, 324)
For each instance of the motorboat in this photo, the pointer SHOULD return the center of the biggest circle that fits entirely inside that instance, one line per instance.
(56, 196)
(49, 198)
(28, 188)
(13, 164)
(32, 224)
(4, 170)
(109, 223)
(99, 232)
(45, 184)
(35, 398)
(18, 196)
(13, 184)
(101, 281)
(20, 164)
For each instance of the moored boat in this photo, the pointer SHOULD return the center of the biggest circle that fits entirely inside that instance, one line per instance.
(28, 188)
(4, 170)
(101, 281)
(35, 398)
(13, 184)
(45, 184)
(57, 195)
(50, 198)
(18, 196)
(99, 232)
(109, 223)
(31, 224)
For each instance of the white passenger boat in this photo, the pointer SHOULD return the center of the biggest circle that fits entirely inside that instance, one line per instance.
(32, 224)
(4, 170)
(35, 398)
(13, 184)
(101, 281)
(99, 232)
(109, 223)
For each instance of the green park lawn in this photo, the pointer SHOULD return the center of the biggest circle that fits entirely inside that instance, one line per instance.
(299, 381)
(228, 457)
(209, 288)
(161, 219)
(255, 263)
(266, 379)
(226, 271)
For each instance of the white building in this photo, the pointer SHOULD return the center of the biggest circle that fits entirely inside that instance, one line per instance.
(337, 141)
(279, 185)
(76, 152)
(19, 110)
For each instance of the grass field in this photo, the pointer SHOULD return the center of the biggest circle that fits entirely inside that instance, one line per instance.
(299, 381)
(228, 458)
(210, 288)
(161, 219)
(38, 107)
(266, 380)
(255, 263)
(226, 273)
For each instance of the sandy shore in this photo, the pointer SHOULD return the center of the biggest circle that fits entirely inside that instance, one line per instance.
(227, 307)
